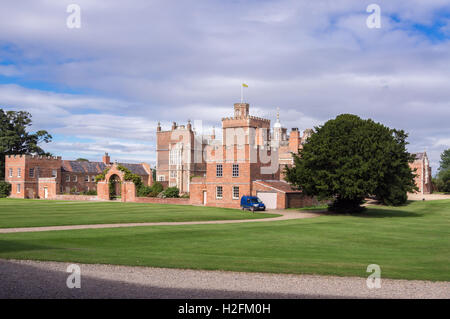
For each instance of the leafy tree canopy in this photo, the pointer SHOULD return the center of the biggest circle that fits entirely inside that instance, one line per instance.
(349, 158)
(15, 138)
(445, 160)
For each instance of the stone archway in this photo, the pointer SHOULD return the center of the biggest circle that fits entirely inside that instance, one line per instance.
(115, 176)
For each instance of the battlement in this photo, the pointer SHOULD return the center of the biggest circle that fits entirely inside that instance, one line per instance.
(249, 117)
(38, 157)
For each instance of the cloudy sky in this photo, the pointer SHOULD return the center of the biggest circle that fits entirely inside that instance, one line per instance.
(104, 86)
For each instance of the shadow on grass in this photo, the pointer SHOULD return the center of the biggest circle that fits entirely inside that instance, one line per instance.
(12, 246)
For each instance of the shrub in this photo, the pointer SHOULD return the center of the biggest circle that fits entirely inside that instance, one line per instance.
(171, 192)
(144, 191)
(185, 195)
(90, 192)
(5, 189)
(157, 188)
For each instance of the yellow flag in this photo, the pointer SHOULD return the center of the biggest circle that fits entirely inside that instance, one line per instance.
(244, 85)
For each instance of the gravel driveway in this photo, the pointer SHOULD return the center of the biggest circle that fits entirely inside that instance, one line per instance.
(33, 279)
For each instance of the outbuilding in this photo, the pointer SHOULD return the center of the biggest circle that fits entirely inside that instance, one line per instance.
(277, 194)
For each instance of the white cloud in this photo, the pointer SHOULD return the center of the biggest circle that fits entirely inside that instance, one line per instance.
(147, 61)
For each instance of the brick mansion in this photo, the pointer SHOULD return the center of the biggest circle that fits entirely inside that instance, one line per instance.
(247, 160)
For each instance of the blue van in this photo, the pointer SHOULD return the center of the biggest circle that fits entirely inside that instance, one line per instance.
(252, 203)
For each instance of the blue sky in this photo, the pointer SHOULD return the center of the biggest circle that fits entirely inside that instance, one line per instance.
(103, 87)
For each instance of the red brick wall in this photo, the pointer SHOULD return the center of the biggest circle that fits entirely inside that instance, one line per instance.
(300, 200)
(420, 179)
(80, 185)
(155, 200)
(76, 197)
(51, 185)
(42, 166)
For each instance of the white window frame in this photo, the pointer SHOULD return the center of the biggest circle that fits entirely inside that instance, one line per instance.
(11, 171)
(92, 179)
(31, 172)
(19, 188)
(67, 178)
(175, 156)
(54, 173)
(74, 178)
(86, 179)
(238, 194)
(219, 170)
(235, 172)
(161, 178)
(217, 192)
(19, 172)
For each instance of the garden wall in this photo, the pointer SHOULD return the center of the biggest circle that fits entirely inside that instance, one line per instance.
(155, 200)
(75, 197)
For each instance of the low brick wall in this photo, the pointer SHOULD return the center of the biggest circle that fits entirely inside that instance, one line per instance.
(75, 197)
(298, 200)
(155, 200)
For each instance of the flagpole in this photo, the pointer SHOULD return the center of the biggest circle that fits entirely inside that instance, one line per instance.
(242, 93)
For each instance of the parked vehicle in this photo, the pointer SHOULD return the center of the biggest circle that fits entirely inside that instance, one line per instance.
(252, 203)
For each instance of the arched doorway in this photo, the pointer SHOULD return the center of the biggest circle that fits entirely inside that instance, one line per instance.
(115, 187)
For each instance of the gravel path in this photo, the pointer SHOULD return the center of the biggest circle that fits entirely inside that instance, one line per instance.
(285, 215)
(33, 279)
(417, 196)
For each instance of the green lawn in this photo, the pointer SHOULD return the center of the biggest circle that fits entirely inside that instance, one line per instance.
(30, 213)
(409, 242)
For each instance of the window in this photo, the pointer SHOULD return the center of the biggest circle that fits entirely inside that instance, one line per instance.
(235, 170)
(173, 174)
(54, 173)
(38, 171)
(161, 178)
(219, 192)
(67, 178)
(92, 178)
(219, 170)
(10, 172)
(175, 156)
(74, 178)
(235, 192)
(19, 172)
(18, 188)
(86, 178)
(31, 172)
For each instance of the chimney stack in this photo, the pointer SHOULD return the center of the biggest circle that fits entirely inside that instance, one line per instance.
(294, 140)
(106, 159)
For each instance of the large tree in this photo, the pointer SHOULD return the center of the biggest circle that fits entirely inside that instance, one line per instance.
(349, 158)
(15, 138)
(442, 182)
(445, 160)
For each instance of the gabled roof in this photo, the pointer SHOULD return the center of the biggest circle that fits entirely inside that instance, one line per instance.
(135, 168)
(98, 167)
(83, 167)
(280, 186)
